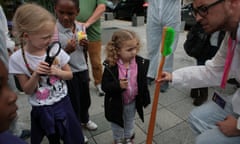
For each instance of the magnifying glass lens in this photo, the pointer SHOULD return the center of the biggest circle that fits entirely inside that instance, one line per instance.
(54, 50)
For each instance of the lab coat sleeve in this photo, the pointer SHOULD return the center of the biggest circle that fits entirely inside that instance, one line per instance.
(203, 76)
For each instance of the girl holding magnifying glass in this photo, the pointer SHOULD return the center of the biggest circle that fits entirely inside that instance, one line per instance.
(52, 114)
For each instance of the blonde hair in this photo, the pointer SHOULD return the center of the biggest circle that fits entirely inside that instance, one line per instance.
(113, 46)
(30, 18)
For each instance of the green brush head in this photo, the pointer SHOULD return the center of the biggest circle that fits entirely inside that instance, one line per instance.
(168, 41)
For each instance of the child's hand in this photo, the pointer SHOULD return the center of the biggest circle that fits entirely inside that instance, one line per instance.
(83, 42)
(54, 70)
(43, 68)
(123, 83)
(71, 46)
(165, 77)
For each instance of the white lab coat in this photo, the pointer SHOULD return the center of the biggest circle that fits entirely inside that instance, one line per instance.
(211, 73)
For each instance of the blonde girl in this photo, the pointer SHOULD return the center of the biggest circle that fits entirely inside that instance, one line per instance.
(125, 84)
(52, 114)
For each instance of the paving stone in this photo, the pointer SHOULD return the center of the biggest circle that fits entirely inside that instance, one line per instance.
(140, 136)
(148, 109)
(104, 138)
(91, 141)
(103, 124)
(180, 134)
(97, 102)
(171, 96)
(164, 120)
(182, 108)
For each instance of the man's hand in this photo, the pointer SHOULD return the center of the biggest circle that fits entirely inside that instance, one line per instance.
(86, 25)
(166, 76)
(229, 126)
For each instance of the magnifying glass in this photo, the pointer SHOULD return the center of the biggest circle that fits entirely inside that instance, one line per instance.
(52, 51)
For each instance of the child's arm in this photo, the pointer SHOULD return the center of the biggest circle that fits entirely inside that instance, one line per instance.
(29, 84)
(65, 73)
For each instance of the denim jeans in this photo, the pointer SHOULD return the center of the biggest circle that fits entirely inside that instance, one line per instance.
(203, 121)
(156, 20)
(119, 133)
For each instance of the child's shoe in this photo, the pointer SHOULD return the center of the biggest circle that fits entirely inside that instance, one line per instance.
(90, 125)
(129, 141)
(85, 140)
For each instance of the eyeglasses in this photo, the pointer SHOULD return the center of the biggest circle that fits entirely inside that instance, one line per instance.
(203, 10)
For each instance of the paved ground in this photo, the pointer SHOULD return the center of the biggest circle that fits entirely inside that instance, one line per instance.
(173, 106)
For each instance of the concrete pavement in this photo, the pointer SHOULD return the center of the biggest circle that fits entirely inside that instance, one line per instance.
(173, 106)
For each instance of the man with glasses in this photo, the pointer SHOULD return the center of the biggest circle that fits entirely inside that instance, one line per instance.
(218, 121)
(203, 10)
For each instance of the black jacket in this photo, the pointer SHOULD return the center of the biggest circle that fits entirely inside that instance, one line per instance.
(113, 102)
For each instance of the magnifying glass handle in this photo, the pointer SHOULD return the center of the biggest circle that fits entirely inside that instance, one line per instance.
(49, 60)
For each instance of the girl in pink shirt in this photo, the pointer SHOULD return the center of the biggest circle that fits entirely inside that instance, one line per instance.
(125, 84)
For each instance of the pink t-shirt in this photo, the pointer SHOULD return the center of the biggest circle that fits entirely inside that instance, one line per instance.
(130, 74)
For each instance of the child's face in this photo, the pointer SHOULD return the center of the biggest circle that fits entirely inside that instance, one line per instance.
(8, 108)
(128, 50)
(66, 12)
(40, 39)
